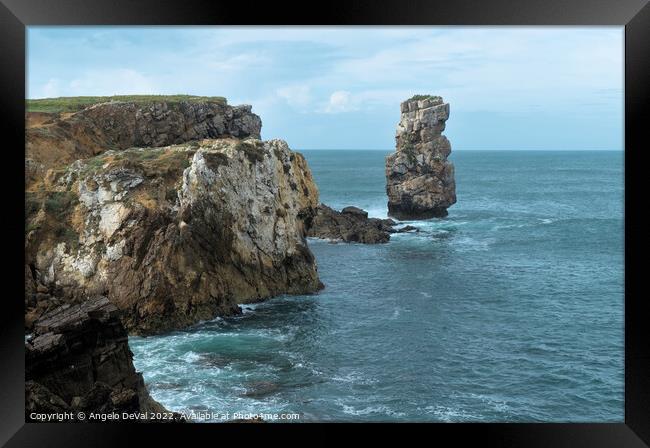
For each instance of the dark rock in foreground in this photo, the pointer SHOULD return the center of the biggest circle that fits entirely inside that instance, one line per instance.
(78, 360)
(419, 179)
(352, 225)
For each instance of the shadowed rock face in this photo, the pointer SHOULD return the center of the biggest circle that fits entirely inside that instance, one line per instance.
(120, 125)
(78, 359)
(419, 179)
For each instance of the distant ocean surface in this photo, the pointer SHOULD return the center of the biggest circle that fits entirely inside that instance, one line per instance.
(510, 309)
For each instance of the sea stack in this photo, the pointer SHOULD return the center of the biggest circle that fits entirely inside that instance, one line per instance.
(419, 179)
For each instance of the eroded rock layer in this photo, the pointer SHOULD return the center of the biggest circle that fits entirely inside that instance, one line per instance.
(66, 137)
(172, 235)
(419, 179)
(78, 360)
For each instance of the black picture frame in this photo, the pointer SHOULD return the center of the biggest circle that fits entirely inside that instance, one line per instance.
(634, 15)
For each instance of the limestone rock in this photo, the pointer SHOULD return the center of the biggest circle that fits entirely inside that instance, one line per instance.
(419, 179)
(173, 235)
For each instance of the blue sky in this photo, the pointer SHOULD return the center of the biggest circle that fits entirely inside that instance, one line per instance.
(555, 88)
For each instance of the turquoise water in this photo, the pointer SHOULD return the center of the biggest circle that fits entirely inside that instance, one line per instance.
(509, 309)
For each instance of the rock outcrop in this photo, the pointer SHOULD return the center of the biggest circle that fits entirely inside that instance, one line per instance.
(64, 138)
(147, 239)
(173, 235)
(419, 179)
(78, 360)
(351, 224)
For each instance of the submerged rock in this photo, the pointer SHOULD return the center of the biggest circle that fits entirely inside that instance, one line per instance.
(419, 179)
(173, 235)
(350, 225)
(78, 359)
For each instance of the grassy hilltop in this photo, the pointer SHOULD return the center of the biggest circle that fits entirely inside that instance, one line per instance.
(76, 103)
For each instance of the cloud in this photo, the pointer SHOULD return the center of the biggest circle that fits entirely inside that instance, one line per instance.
(484, 69)
(297, 96)
(339, 101)
(52, 88)
(304, 76)
(112, 82)
(100, 83)
(234, 63)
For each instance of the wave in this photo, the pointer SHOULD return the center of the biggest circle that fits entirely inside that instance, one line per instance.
(371, 410)
(354, 378)
(248, 308)
(449, 414)
(465, 244)
(191, 357)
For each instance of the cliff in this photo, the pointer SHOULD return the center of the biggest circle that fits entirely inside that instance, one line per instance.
(58, 139)
(146, 216)
(78, 359)
(203, 217)
(419, 179)
(173, 235)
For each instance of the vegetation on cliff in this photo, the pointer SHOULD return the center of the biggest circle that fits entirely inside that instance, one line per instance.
(423, 97)
(77, 103)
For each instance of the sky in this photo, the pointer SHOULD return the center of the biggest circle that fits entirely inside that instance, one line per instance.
(514, 88)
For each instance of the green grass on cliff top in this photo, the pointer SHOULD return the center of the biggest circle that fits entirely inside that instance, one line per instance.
(422, 97)
(75, 103)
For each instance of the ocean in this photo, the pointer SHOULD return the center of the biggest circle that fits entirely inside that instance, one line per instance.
(508, 310)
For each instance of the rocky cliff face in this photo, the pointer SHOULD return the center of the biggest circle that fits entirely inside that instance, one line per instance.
(64, 138)
(172, 235)
(419, 178)
(78, 359)
(119, 238)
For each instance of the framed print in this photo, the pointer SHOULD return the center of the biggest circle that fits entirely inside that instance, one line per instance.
(400, 216)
